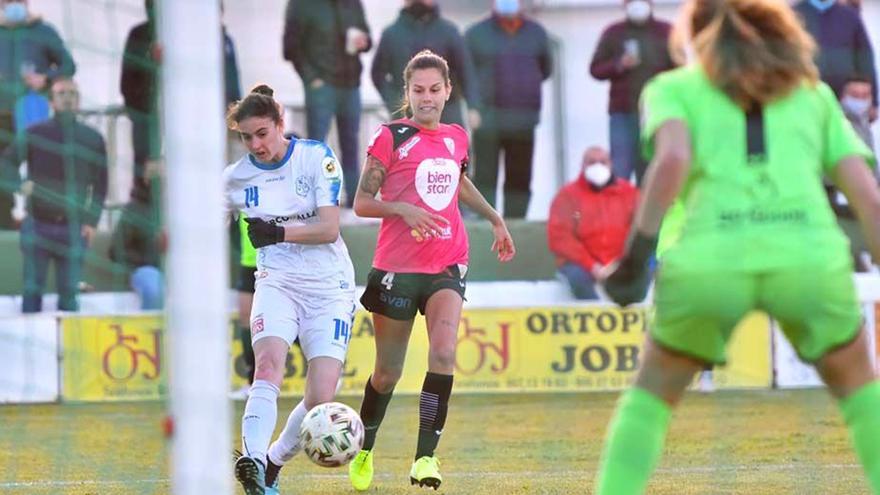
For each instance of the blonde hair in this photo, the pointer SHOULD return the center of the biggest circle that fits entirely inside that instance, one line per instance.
(754, 50)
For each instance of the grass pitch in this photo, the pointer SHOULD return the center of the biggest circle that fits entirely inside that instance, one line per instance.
(770, 442)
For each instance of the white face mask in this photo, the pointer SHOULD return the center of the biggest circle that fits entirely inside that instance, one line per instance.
(597, 174)
(15, 12)
(638, 11)
(855, 106)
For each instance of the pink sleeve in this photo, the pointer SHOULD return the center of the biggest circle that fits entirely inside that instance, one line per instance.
(380, 146)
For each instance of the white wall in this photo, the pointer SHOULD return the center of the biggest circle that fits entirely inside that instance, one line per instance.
(96, 31)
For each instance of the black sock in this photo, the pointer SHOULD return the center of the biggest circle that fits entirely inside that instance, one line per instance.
(433, 405)
(272, 471)
(373, 412)
(244, 335)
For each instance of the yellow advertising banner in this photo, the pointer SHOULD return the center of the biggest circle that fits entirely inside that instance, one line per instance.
(113, 358)
(575, 348)
(584, 348)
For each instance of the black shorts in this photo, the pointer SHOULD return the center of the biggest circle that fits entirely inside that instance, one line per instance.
(399, 295)
(246, 279)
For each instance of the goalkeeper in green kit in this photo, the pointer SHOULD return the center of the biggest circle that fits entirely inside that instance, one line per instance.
(740, 140)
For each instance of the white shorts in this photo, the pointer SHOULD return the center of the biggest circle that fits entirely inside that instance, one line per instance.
(323, 325)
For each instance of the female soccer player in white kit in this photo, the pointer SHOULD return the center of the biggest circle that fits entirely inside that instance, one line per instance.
(289, 190)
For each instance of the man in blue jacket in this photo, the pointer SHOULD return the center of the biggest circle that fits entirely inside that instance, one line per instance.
(420, 27)
(66, 186)
(512, 58)
(31, 53)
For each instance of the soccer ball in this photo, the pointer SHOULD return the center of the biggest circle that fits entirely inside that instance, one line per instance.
(331, 434)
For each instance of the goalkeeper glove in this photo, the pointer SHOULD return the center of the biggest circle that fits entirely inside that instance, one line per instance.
(262, 233)
(629, 281)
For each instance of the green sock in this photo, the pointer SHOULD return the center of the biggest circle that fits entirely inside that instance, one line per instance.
(634, 443)
(861, 411)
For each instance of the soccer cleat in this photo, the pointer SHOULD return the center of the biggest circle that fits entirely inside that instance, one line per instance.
(360, 470)
(426, 472)
(251, 474)
(273, 472)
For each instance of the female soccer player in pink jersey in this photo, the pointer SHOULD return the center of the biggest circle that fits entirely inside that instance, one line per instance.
(418, 165)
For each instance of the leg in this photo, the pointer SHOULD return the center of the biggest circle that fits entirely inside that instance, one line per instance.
(35, 257)
(245, 301)
(7, 137)
(486, 150)
(518, 150)
(635, 145)
(853, 381)
(140, 141)
(147, 282)
(319, 111)
(68, 267)
(637, 431)
(348, 120)
(579, 281)
(621, 161)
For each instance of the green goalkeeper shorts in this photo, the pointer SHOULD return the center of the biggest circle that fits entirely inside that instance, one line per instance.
(696, 312)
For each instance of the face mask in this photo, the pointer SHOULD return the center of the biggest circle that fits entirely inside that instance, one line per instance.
(855, 106)
(15, 12)
(597, 174)
(507, 7)
(822, 5)
(638, 11)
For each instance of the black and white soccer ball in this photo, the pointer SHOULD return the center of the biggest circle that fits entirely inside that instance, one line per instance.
(331, 434)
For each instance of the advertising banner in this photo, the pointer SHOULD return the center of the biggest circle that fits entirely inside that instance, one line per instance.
(29, 353)
(584, 348)
(113, 358)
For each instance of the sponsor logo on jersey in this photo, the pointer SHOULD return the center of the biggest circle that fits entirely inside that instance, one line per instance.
(330, 168)
(437, 182)
(404, 150)
(450, 145)
(302, 186)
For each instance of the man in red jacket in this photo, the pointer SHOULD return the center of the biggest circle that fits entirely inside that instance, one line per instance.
(589, 222)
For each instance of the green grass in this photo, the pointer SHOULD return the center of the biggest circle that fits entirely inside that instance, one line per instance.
(772, 442)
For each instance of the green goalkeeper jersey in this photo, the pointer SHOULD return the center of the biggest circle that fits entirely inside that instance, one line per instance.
(248, 252)
(753, 199)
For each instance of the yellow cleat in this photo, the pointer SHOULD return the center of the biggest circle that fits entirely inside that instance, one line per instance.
(426, 472)
(360, 470)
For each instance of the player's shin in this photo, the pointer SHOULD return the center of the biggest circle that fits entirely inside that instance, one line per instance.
(258, 421)
(373, 412)
(860, 413)
(634, 444)
(433, 405)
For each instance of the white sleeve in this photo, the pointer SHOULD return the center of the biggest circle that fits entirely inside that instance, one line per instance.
(229, 209)
(327, 176)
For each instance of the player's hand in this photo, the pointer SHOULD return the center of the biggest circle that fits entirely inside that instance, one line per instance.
(422, 223)
(262, 233)
(88, 234)
(626, 280)
(628, 61)
(503, 243)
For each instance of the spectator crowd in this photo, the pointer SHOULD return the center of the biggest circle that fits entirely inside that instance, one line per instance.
(498, 66)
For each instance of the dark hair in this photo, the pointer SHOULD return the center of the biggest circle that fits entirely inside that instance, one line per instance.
(753, 50)
(425, 59)
(258, 103)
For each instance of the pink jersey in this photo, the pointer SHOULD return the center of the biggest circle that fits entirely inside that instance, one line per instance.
(424, 168)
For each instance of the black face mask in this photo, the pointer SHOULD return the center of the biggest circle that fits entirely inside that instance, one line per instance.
(419, 9)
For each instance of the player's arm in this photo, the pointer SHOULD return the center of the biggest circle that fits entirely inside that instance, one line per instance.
(367, 205)
(324, 231)
(665, 177)
(473, 199)
(853, 177)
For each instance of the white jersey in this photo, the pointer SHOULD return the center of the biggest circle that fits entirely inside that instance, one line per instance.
(290, 192)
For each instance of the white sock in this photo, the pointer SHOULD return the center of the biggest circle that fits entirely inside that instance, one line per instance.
(287, 445)
(258, 422)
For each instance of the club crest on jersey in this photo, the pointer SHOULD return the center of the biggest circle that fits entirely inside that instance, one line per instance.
(450, 145)
(404, 150)
(302, 186)
(330, 168)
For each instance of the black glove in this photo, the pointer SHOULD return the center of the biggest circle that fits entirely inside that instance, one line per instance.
(629, 281)
(262, 233)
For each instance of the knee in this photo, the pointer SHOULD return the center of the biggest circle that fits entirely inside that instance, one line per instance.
(443, 357)
(317, 397)
(269, 370)
(385, 378)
